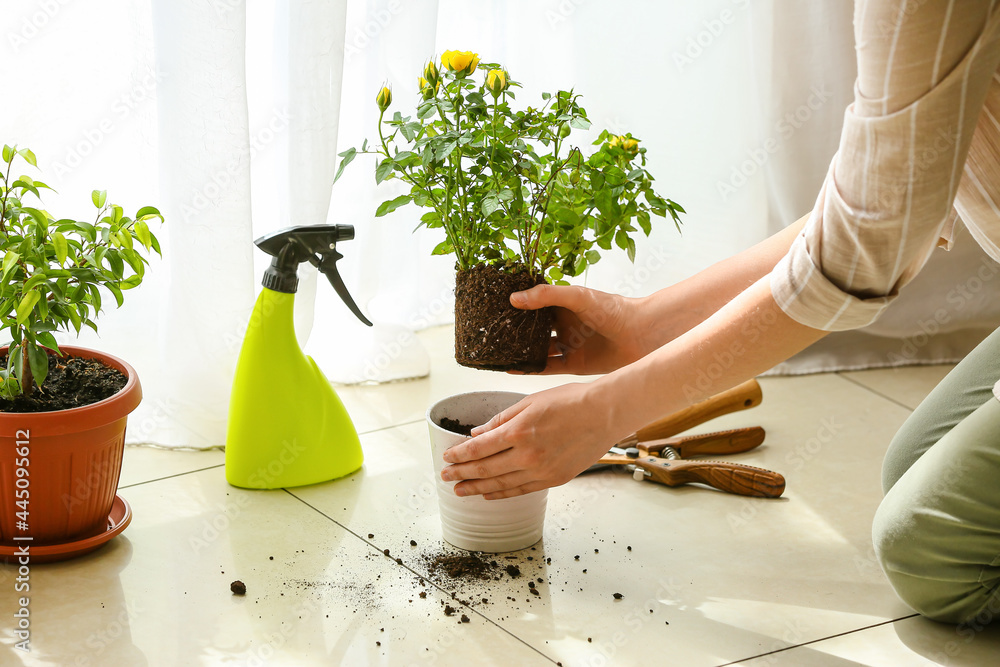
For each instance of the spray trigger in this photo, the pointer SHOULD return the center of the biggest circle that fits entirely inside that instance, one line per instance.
(316, 244)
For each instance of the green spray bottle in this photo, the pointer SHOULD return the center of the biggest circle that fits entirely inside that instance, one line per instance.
(287, 426)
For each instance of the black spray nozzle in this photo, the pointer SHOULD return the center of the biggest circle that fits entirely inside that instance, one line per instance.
(316, 244)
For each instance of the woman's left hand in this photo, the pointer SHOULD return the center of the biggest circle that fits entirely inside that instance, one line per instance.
(544, 440)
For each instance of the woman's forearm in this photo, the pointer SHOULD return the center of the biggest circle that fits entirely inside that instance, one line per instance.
(745, 337)
(674, 310)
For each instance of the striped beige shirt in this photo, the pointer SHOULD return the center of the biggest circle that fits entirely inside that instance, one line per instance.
(919, 153)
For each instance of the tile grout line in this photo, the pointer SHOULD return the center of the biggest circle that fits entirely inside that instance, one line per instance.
(179, 474)
(424, 578)
(877, 393)
(386, 428)
(821, 639)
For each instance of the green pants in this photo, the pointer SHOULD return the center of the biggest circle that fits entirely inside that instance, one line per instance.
(937, 531)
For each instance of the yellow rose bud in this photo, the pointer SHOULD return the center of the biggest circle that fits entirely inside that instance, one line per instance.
(614, 141)
(630, 146)
(427, 89)
(431, 73)
(384, 98)
(462, 63)
(496, 81)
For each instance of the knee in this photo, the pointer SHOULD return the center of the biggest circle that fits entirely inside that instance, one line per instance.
(919, 562)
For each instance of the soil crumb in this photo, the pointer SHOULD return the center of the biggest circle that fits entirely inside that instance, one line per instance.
(238, 587)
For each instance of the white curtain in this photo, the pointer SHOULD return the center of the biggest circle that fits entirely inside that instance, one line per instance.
(228, 115)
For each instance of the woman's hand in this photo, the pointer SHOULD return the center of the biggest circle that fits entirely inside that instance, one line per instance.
(596, 332)
(544, 440)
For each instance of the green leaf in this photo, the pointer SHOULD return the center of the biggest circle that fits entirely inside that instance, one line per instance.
(34, 280)
(27, 304)
(384, 170)
(490, 204)
(48, 340)
(348, 157)
(579, 122)
(38, 361)
(631, 250)
(99, 197)
(141, 230)
(117, 293)
(74, 317)
(9, 262)
(61, 247)
(28, 156)
(8, 153)
(392, 205)
(147, 212)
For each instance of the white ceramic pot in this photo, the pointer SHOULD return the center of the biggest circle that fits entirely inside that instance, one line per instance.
(474, 523)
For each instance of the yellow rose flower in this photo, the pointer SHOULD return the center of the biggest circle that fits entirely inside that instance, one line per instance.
(614, 141)
(496, 81)
(462, 63)
(630, 146)
(384, 98)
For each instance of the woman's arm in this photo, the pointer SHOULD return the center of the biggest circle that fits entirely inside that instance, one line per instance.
(549, 437)
(597, 332)
(691, 301)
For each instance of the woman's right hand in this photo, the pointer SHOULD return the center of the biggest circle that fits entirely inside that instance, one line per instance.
(596, 332)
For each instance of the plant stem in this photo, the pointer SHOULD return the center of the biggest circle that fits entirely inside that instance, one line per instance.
(27, 379)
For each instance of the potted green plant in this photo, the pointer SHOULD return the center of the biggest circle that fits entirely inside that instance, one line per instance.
(519, 204)
(63, 409)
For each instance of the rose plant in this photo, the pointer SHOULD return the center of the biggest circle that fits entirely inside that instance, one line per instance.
(514, 196)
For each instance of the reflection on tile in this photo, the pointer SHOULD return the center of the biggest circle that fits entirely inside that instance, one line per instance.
(710, 577)
(160, 595)
(907, 385)
(911, 641)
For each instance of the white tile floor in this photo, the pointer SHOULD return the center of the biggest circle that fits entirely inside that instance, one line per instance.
(711, 579)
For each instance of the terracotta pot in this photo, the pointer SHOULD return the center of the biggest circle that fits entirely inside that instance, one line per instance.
(74, 461)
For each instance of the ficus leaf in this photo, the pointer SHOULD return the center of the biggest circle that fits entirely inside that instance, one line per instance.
(26, 305)
(61, 247)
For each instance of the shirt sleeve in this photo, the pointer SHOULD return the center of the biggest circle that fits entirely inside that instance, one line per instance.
(923, 74)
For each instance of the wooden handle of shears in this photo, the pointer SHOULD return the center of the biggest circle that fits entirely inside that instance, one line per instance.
(740, 397)
(733, 441)
(731, 477)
